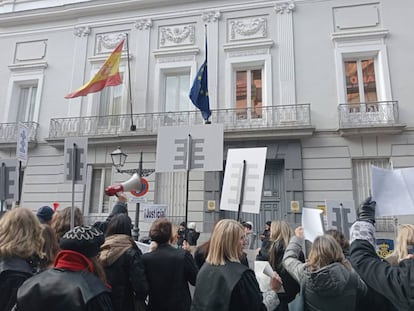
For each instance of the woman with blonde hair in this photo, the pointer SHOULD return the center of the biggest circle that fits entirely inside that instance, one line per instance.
(21, 245)
(327, 278)
(223, 283)
(273, 250)
(404, 245)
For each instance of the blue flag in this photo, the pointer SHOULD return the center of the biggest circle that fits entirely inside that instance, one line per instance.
(199, 90)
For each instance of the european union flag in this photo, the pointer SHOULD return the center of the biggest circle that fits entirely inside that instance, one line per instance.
(199, 91)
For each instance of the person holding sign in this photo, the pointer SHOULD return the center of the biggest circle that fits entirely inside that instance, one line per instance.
(394, 283)
(327, 279)
(223, 283)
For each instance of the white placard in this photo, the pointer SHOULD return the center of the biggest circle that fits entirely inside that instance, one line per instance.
(312, 223)
(340, 215)
(205, 154)
(393, 190)
(22, 143)
(153, 211)
(255, 159)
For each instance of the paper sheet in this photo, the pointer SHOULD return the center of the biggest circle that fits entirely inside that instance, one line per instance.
(312, 223)
(393, 190)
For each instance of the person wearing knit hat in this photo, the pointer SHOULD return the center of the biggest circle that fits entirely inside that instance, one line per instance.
(77, 281)
(45, 214)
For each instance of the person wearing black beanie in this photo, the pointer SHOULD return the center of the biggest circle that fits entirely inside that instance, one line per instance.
(77, 282)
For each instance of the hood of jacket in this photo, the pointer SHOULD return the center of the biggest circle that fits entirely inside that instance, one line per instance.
(113, 248)
(328, 281)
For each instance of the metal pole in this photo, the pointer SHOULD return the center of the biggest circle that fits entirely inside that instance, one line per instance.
(3, 183)
(20, 184)
(135, 230)
(189, 151)
(133, 126)
(241, 197)
(72, 209)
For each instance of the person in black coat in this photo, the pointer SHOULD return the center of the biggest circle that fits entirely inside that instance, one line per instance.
(122, 261)
(21, 245)
(395, 284)
(76, 283)
(223, 283)
(168, 270)
(272, 251)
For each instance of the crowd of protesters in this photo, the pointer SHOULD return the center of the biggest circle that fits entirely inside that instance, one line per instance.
(47, 265)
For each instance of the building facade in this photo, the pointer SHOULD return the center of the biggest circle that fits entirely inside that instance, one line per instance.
(323, 84)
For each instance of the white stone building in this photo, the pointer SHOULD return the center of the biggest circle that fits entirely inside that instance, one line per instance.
(324, 84)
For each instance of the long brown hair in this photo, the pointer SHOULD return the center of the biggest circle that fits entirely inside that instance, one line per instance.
(61, 221)
(280, 232)
(325, 250)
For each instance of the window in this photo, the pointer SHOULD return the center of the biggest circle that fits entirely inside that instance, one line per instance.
(171, 190)
(363, 77)
(360, 81)
(27, 103)
(110, 105)
(248, 93)
(99, 201)
(177, 88)
(362, 187)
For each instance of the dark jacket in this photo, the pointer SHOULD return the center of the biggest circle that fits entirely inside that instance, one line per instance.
(290, 285)
(192, 236)
(13, 272)
(122, 261)
(231, 287)
(168, 271)
(333, 287)
(394, 283)
(59, 289)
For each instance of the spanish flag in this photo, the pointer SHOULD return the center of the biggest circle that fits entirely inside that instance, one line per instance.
(108, 75)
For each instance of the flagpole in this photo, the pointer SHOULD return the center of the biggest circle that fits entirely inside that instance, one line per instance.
(133, 126)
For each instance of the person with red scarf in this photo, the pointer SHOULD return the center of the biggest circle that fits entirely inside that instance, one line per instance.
(77, 281)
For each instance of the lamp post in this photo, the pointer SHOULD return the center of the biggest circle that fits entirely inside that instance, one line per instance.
(118, 158)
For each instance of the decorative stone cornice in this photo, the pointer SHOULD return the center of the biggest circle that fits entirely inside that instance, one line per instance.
(177, 34)
(210, 16)
(285, 7)
(143, 24)
(107, 42)
(247, 28)
(82, 31)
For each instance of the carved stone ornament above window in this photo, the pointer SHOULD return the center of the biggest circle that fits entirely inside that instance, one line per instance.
(210, 16)
(105, 43)
(285, 7)
(176, 35)
(143, 24)
(248, 28)
(82, 31)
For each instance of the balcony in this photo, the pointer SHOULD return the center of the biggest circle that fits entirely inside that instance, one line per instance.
(8, 133)
(283, 121)
(369, 118)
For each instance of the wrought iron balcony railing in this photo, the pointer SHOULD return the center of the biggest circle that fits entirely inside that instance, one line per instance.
(8, 132)
(370, 114)
(272, 117)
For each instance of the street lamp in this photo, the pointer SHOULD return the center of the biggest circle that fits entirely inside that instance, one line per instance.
(118, 158)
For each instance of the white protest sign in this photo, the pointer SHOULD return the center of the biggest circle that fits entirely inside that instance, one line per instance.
(22, 143)
(253, 160)
(154, 211)
(393, 190)
(198, 148)
(312, 223)
(340, 215)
